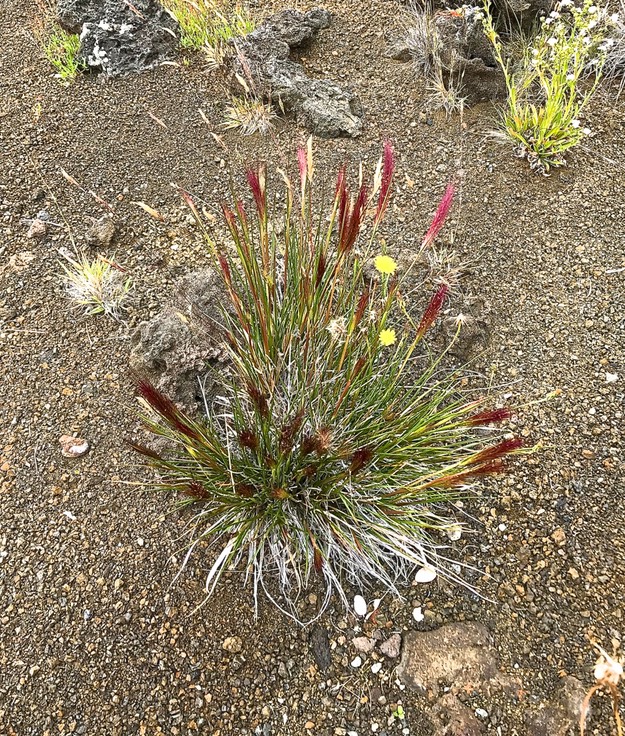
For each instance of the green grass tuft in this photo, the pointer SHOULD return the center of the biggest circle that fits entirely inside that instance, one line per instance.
(336, 443)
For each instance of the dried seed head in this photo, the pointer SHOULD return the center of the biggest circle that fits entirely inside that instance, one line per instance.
(289, 430)
(248, 439)
(245, 490)
(196, 490)
(440, 216)
(432, 310)
(492, 416)
(361, 457)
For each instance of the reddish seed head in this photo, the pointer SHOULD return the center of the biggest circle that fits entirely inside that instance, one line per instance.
(432, 310)
(352, 221)
(340, 182)
(439, 216)
(164, 406)
(196, 490)
(256, 180)
(302, 162)
(248, 439)
(225, 268)
(259, 400)
(492, 416)
(245, 490)
(361, 306)
(497, 452)
(143, 450)
(361, 457)
(388, 169)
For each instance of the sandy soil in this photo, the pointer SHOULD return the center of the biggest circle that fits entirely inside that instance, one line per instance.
(94, 638)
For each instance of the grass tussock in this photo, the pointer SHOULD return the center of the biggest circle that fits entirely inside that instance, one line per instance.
(337, 442)
(97, 287)
(209, 25)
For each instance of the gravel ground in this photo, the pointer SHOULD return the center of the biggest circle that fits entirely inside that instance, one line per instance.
(94, 637)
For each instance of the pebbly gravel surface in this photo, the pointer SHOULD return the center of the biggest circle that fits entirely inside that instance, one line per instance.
(95, 637)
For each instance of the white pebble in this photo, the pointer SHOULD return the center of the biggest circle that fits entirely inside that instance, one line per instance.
(454, 532)
(69, 515)
(360, 605)
(418, 614)
(375, 668)
(502, 527)
(425, 575)
(611, 377)
(356, 662)
(481, 713)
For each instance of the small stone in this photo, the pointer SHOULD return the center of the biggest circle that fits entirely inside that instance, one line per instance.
(38, 229)
(363, 644)
(573, 573)
(360, 605)
(558, 536)
(233, 644)
(309, 724)
(454, 532)
(391, 647)
(375, 668)
(73, 446)
(417, 614)
(481, 713)
(611, 377)
(356, 662)
(425, 575)
(101, 233)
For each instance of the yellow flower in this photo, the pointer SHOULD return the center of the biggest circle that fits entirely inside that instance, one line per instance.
(387, 337)
(385, 264)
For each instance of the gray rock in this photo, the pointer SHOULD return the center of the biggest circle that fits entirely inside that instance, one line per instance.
(559, 717)
(101, 233)
(459, 655)
(452, 718)
(320, 647)
(467, 57)
(118, 37)
(323, 107)
(391, 647)
(177, 349)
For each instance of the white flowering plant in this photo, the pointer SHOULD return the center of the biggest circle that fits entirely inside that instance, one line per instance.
(546, 94)
(335, 443)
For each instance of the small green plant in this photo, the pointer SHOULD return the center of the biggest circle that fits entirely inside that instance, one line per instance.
(61, 49)
(248, 114)
(336, 441)
(208, 25)
(97, 286)
(546, 95)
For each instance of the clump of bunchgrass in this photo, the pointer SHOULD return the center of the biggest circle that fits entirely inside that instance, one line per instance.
(546, 95)
(97, 286)
(337, 442)
(61, 49)
(440, 69)
(209, 25)
(249, 114)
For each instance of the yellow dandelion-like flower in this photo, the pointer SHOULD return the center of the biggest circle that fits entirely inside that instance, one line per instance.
(385, 264)
(387, 337)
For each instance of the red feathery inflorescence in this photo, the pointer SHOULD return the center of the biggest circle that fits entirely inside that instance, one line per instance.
(351, 219)
(432, 310)
(225, 268)
(361, 457)
(302, 160)
(248, 439)
(143, 450)
(196, 490)
(491, 416)
(388, 169)
(497, 452)
(361, 306)
(164, 406)
(256, 180)
(439, 216)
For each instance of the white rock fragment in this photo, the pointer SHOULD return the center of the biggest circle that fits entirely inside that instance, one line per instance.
(356, 662)
(454, 532)
(611, 377)
(375, 668)
(418, 614)
(481, 713)
(425, 574)
(360, 605)
(69, 515)
(73, 446)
